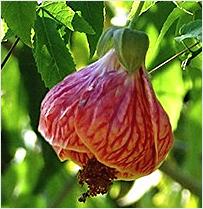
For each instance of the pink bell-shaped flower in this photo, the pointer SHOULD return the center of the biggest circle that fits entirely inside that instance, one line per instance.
(108, 121)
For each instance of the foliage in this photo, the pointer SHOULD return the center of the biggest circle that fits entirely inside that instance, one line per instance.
(55, 39)
(192, 29)
(50, 52)
(15, 13)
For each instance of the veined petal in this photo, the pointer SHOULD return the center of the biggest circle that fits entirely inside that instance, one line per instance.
(79, 158)
(123, 124)
(58, 112)
(104, 112)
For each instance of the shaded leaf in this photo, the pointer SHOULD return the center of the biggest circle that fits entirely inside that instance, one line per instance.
(93, 13)
(20, 17)
(181, 6)
(191, 30)
(8, 34)
(79, 24)
(64, 14)
(30, 77)
(66, 34)
(173, 16)
(190, 124)
(106, 42)
(11, 177)
(188, 7)
(53, 59)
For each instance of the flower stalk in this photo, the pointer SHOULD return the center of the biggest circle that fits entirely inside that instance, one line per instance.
(132, 23)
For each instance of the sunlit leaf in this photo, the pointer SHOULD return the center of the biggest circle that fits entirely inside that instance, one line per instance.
(170, 92)
(53, 59)
(64, 14)
(20, 17)
(80, 49)
(147, 5)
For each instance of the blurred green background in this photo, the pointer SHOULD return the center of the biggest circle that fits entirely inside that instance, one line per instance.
(33, 176)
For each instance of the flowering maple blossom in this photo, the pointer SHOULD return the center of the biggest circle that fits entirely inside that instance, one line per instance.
(108, 121)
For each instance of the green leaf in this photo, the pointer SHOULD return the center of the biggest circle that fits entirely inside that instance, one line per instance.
(93, 13)
(81, 25)
(20, 17)
(105, 42)
(8, 34)
(14, 109)
(53, 59)
(66, 34)
(187, 7)
(190, 124)
(169, 92)
(147, 5)
(191, 30)
(66, 16)
(173, 16)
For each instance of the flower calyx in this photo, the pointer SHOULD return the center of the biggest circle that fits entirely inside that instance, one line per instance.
(130, 45)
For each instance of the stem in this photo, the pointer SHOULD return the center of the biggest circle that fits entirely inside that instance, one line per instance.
(136, 15)
(182, 178)
(172, 58)
(9, 53)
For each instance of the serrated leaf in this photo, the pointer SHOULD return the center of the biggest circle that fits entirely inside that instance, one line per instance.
(8, 34)
(66, 34)
(191, 30)
(53, 59)
(20, 17)
(64, 14)
(93, 13)
(81, 25)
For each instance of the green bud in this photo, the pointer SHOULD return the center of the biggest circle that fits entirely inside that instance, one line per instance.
(131, 47)
(105, 42)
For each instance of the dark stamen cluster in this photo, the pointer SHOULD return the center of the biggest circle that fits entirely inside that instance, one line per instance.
(98, 178)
